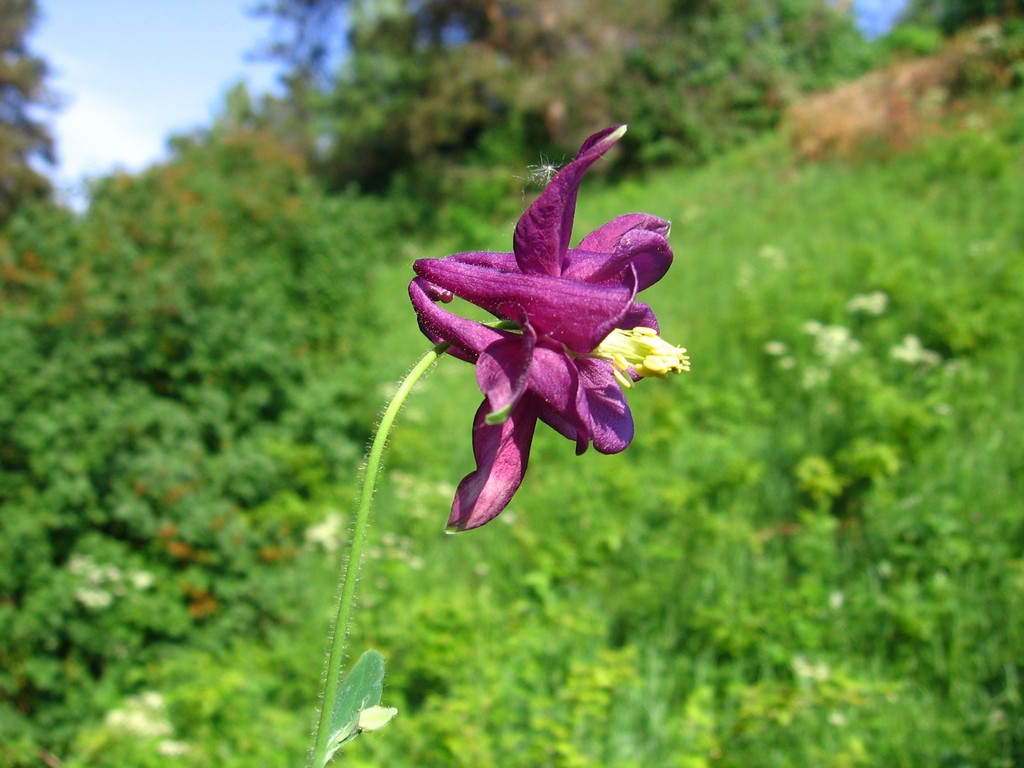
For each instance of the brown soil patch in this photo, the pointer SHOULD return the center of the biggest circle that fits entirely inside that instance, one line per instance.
(888, 109)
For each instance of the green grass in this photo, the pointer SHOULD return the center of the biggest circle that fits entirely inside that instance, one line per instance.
(809, 556)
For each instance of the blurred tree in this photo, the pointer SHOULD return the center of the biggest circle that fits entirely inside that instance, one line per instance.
(426, 82)
(307, 36)
(426, 85)
(23, 138)
(951, 15)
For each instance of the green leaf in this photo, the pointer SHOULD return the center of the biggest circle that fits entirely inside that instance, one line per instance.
(359, 692)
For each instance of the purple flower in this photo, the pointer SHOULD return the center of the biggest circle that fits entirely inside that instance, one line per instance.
(571, 333)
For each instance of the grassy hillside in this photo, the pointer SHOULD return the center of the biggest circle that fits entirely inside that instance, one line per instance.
(811, 554)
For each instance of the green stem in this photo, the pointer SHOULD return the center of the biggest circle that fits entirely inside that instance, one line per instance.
(350, 575)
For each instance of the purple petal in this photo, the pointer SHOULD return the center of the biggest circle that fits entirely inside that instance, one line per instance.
(502, 452)
(503, 371)
(605, 239)
(496, 260)
(555, 381)
(542, 234)
(649, 253)
(639, 314)
(606, 252)
(578, 314)
(593, 267)
(558, 423)
(467, 337)
(611, 421)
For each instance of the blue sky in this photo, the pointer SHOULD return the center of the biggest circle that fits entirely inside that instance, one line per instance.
(875, 17)
(134, 72)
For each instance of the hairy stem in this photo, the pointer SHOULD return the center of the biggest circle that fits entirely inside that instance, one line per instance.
(350, 573)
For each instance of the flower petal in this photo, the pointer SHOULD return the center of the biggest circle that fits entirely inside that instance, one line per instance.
(502, 453)
(496, 260)
(606, 238)
(542, 234)
(467, 337)
(649, 253)
(639, 315)
(555, 381)
(595, 267)
(503, 370)
(606, 252)
(575, 313)
(611, 421)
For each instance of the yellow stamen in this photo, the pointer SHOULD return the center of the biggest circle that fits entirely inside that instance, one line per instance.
(642, 350)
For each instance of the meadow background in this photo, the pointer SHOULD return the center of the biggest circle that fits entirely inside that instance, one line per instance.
(811, 555)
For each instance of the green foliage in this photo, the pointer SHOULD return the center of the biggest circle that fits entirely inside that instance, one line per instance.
(24, 139)
(357, 707)
(953, 15)
(911, 40)
(810, 555)
(429, 88)
(182, 384)
(712, 74)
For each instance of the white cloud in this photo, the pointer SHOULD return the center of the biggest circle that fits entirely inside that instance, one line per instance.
(132, 74)
(96, 133)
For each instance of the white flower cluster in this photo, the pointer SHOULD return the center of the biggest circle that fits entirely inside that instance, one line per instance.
(874, 303)
(832, 343)
(102, 582)
(805, 670)
(836, 343)
(911, 351)
(328, 534)
(145, 716)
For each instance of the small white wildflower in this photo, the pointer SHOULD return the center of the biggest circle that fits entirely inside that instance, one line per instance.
(811, 327)
(142, 715)
(152, 700)
(787, 363)
(141, 580)
(874, 303)
(327, 533)
(81, 564)
(108, 573)
(776, 348)
(837, 719)
(911, 351)
(172, 748)
(801, 667)
(836, 600)
(813, 378)
(805, 670)
(831, 342)
(94, 599)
